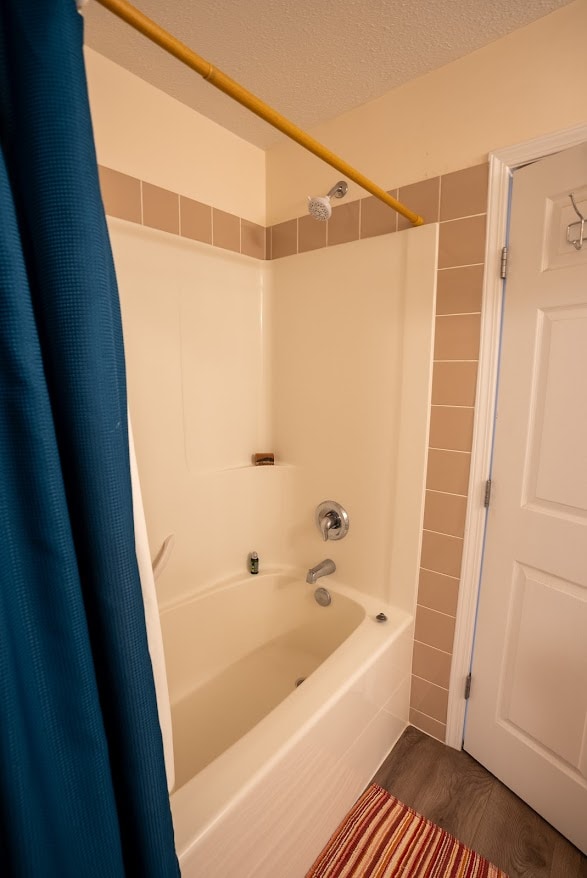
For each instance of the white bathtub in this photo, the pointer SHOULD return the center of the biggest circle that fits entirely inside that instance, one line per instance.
(266, 770)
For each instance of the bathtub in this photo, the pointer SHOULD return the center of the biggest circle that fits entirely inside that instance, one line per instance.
(282, 711)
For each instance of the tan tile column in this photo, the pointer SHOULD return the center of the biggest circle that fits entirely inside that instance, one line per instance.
(463, 205)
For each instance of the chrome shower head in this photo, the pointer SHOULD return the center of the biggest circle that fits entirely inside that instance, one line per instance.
(319, 206)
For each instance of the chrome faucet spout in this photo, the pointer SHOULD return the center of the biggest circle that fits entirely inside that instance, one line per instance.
(324, 568)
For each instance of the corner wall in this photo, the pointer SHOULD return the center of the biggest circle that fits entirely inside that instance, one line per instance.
(352, 334)
(141, 131)
(198, 397)
(429, 139)
(173, 182)
(458, 202)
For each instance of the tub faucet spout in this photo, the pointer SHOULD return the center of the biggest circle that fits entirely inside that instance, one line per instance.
(324, 568)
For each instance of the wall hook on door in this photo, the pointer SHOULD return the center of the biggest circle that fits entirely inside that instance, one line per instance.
(576, 242)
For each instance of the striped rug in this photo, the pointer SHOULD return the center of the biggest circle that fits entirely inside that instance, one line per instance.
(383, 838)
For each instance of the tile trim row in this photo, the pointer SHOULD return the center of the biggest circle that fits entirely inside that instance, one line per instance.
(456, 197)
(140, 202)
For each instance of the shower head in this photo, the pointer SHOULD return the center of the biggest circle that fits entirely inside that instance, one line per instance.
(319, 206)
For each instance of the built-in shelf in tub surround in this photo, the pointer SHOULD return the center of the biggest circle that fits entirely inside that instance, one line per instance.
(246, 466)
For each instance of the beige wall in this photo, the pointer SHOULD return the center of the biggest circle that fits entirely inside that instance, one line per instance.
(144, 133)
(516, 88)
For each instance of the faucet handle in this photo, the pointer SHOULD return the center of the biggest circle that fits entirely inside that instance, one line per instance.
(332, 520)
(327, 522)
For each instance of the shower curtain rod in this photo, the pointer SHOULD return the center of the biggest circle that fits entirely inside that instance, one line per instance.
(150, 29)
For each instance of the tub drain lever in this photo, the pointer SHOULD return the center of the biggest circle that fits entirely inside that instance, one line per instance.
(322, 596)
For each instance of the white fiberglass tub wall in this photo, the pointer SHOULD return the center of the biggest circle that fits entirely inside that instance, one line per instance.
(197, 386)
(352, 331)
(266, 805)
(324, 358)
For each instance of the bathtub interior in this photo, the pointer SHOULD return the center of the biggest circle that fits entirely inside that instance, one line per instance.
(248, 645)
(268, 803)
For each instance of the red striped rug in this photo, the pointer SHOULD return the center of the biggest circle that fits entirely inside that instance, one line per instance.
(383, 838)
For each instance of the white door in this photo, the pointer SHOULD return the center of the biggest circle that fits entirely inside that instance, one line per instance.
(527, 713)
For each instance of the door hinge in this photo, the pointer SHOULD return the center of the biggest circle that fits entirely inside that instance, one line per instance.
(487, 495)
(503, 265)
(467, 687)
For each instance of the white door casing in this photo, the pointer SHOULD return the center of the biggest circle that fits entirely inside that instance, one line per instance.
(527, 718)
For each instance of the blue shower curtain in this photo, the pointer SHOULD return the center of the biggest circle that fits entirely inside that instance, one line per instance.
(83, 791)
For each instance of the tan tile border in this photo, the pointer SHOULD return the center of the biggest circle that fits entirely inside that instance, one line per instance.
(429, 698)
(426, 197)
(160, 208)
(431, 664)
(122, 194)
(460, 278)
(193, 220)
(427, 724)
(352, 221)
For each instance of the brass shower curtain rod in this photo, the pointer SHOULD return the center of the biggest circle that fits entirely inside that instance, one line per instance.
(150, 29)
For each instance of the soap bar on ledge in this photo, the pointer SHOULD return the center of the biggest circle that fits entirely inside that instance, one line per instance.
(265, 458)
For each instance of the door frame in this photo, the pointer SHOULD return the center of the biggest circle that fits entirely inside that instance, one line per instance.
(501, 165)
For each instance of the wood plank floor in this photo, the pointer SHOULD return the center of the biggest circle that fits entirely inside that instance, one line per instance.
(455, 792)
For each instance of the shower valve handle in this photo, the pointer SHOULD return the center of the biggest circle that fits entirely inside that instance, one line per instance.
(332, 520)
(327, 522)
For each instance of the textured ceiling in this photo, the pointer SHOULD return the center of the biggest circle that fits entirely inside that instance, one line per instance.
(309, 59)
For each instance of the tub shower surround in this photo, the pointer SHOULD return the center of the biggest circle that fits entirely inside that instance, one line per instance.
(458, 201)
(285, 762)
(232, 656)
